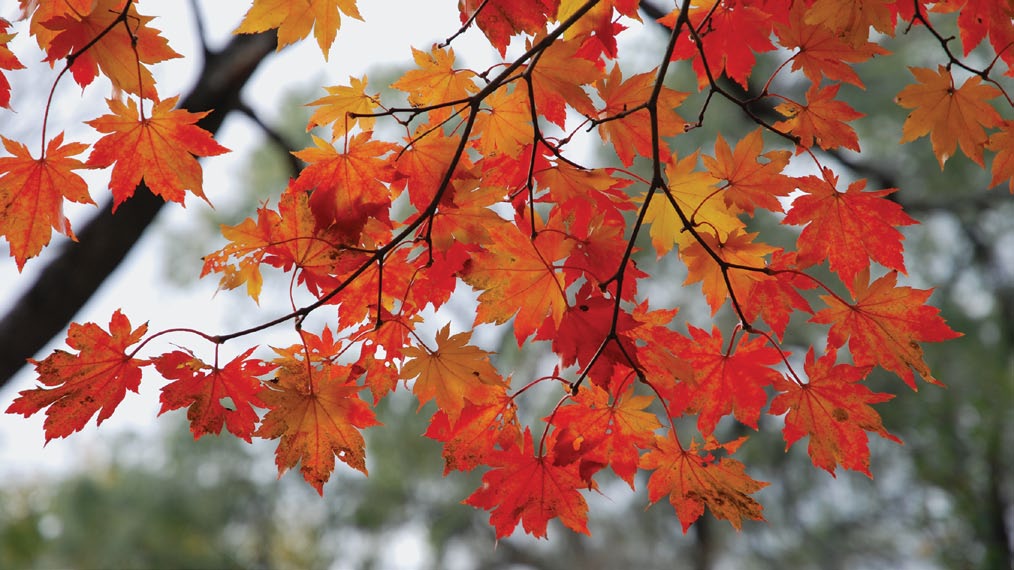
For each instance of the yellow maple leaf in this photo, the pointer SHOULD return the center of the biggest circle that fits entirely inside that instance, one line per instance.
(334, 108)
(295, 18)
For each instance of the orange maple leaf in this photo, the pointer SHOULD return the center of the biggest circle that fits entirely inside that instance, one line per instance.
(451, 374)
(530, 489)
(32, 192)
(950, 115)
(204, 391)
(557, 79)
(851, 21)
(121, 54)
(295, 18)
(750, 183)
(504, 125)
(822, 120)
(517, 276)
(316, 411)
(160, 149)
(737, 248)
(693, 481)
(77, 385)
(833, 408)
(1002, 143)
(848, 229)
(885, 326)
(342, 100)
(436, 82)
(632, 133)
(8, 61)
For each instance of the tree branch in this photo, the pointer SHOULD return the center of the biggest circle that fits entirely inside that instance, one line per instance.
(70, 279)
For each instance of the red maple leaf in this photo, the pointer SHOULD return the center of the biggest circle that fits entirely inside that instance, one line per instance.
(726, 380)
(833, 408)
(608, 433)
(530, 489)
(317, 413)
(77, 385)
(160, 149)
(730, 34)
(848, 229)
(206, 391)
(502, 19)
(479, 430)
(348, 188)
(885, 326)
(121, 54)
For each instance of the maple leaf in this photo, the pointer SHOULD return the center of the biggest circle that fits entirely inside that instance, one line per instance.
(833, 408)
(697, 195)
(501, 19)
(557, 79)
(822, 52)
(976, 19)
(8, 61)
(730, 35)
(632, 133)
(317, 413)
(348, 188)
(436, 82)
(203, 389)
(340, 102)
(821, 120)
(885, 326)
(852, 21)
(479, 429)
(693, 482)
(737, 248)
(750, 183)
(77, 385)
(160, 149)
(516, 276)
(849, 229)
(295, 18)
(613, 432)
(1002, 143)
(120, 55)
(725, 380)
(32, 193)
(504, 125)
(530, 489)
(776, 295)
(451, 374)
(950, 116)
